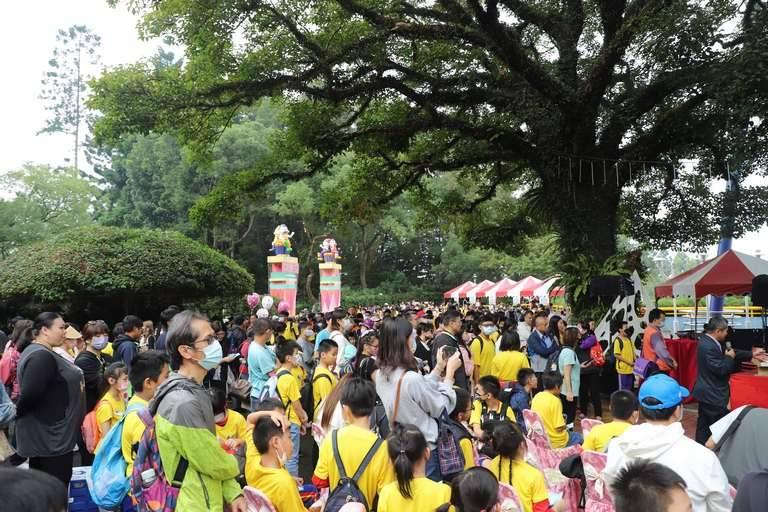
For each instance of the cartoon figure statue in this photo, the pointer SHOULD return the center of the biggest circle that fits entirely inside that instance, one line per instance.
(281, 244)
(329, 253)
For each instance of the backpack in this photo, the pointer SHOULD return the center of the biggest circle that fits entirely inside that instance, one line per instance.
(488, 420)
(90, 429)
(553, 363)
(110, 484)
(270, 388)
(347, 491)
(158, 494)
(307, 395)
(610, 356)
(378, 420)
(449, 453)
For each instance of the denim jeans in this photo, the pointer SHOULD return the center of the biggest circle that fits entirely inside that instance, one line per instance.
(293, 461)
(433, 467)
(575, 438)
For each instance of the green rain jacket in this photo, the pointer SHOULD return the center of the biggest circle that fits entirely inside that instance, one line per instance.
(184, 426)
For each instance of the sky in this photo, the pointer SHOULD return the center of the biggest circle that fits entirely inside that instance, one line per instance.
(30, 26)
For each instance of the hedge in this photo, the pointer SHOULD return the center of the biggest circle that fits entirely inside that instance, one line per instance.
(106, 261)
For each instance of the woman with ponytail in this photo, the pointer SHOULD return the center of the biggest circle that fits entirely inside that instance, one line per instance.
(474, 490)
(510, 468)
(413, 491)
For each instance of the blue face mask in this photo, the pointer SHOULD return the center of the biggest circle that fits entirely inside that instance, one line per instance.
(413, 343)
(100, 342)
(213, 354)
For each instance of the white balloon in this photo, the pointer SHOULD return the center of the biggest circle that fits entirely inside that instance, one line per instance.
(262, 313)
(267, 302)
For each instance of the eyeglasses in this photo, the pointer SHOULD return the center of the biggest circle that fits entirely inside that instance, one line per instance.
(208, 340)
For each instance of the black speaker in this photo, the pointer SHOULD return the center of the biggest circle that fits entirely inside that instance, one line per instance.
(760, 290)
(611, 286)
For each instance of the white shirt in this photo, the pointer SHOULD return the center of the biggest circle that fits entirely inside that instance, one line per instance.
(524, 331)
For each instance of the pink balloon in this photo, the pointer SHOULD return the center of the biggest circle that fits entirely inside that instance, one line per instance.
(253, 300)
(283, 307)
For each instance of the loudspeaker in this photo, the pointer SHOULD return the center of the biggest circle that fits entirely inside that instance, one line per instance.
(611, 286)
(760, 290)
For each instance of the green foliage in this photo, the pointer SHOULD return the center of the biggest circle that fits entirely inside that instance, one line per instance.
(45, 202)
(98, 262)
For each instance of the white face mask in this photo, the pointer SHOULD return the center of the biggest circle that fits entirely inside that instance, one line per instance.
(282, 458)
(220, 417)
(489, 329)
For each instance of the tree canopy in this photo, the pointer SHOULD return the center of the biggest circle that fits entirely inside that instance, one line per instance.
(101, 272)
(581, 104)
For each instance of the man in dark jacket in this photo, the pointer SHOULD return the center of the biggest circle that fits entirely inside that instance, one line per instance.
(126, 345)
(541, 346)
(716, 364)
(451, 336)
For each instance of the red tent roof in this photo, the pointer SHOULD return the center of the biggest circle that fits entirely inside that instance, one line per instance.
(730, 273)
(478, 289)
(499, 289)
(461, 288)
(525, 288)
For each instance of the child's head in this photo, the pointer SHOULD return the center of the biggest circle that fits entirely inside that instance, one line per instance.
(624, 406)
(358, 397)
(552, 381)
(116, 376)
(270, 404)
(510, 340)
(508, 440)
(286, 353)
(645, 485)
(328, 351)
(463, 409)
(219, 400)
(526, 377)
(270, 438)
(148, 370)
(474, 490)
(407, 449)
(488, 387)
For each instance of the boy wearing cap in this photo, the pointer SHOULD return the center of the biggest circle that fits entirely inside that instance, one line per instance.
(661, 439)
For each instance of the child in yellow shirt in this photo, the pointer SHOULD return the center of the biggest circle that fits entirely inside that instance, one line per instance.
(324, 380)
(624, 410)
(288, 390)
(413, 491)
(510, 468)
(509, 359)
(231, 428)
(111, 407)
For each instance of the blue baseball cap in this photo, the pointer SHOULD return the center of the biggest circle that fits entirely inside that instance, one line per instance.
(663, 388)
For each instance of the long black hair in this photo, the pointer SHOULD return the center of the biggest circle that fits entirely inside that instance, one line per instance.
(394, 351)
(407, 446)
(44, 319)
(506, 440)
(474, 490)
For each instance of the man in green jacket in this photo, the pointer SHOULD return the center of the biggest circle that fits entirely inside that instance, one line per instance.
(184, 420)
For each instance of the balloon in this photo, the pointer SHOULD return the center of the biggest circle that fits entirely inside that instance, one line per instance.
(267, 302)
(262, 313)
(283, 307)
(253, 300)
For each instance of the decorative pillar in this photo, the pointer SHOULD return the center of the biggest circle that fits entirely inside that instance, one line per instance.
(330, 275)
(283, 279)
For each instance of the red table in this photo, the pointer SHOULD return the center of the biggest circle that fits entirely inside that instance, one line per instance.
(684, 352)
(748, 389)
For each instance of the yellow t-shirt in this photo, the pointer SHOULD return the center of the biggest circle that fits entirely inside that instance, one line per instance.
(550, 408)
(279, 486)
(528, 481)
(108, 350)
(322, 386)
(252, 458)
(598, 438)
(477, 411)
(427, 496)
(468, 452)
(288, 388)
(290, 331)
(626, 352)
(109, 409)
(133, 429)
(235, 428)
(483, 350)
(354, 443)
(506, 364)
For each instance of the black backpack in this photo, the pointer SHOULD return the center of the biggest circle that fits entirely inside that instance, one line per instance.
(307, 394)
(488, 420)
(347, 490)
(553, 365)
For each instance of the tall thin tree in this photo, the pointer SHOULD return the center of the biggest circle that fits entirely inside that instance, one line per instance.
(65, 84)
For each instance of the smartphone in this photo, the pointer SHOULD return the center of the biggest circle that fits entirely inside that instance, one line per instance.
(448, 351)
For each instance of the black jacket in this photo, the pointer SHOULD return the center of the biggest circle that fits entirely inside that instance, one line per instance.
(715, 369)
(125, 349)
(460, 377)
(93, 373)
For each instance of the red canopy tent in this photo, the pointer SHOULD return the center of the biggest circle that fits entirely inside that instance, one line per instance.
(730, 273)
(525, 288)
(473, 293)
(454, 293)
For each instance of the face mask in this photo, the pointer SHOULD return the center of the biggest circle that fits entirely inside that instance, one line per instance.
(100, 342)
(298, 359)
(122, 387)
(282, 457)
(413, 343)
(309, 334)
(213, 355)
(489, 329)
(220, 418)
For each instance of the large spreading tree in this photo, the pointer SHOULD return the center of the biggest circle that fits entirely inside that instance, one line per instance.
(574, 102)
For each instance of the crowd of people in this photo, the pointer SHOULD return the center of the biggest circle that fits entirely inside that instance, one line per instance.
(415, 407)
